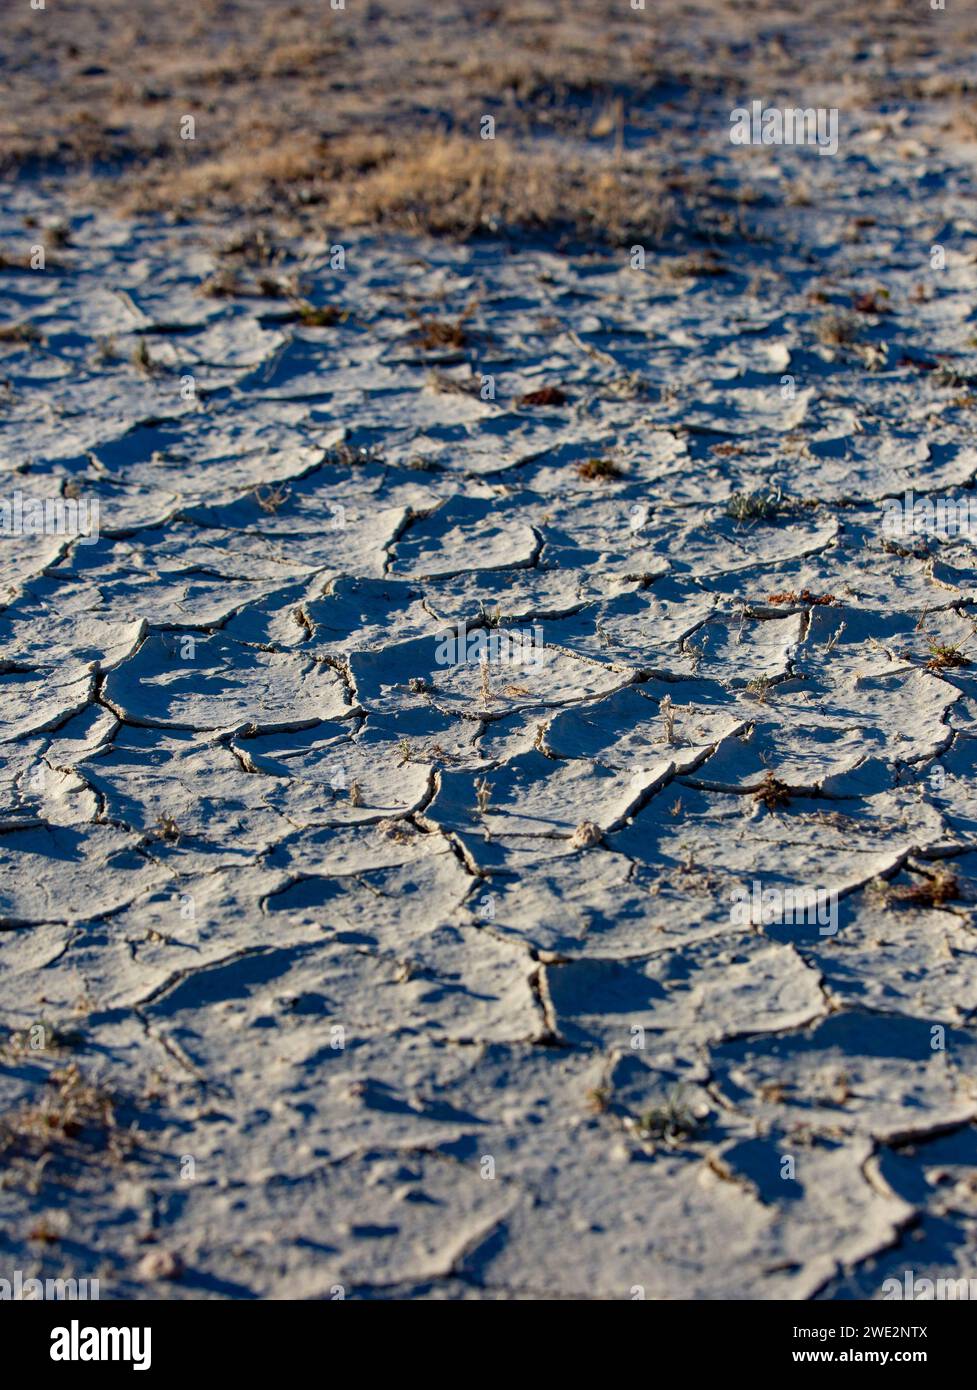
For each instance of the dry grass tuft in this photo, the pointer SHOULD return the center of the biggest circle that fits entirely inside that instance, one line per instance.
(319, 316)
(599, 470)
(697, 267)
(20, 333)
(451, 186)
(805, 596)
(942, 888)
(837, 329)
(311, 116)
(945, 656)
(74, 1119)
(772, 793)
(434, 334)
(754, 506)
(546, 395)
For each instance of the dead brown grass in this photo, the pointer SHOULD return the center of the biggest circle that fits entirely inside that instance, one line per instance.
(371, 115)
(450, 185)
(805, 596)
(73, 1119)
(546, 395)
(599, 470)
(772, 793)
(931, 891)
(434, 334)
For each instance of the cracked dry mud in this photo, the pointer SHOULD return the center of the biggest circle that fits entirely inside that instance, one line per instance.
(217, 852)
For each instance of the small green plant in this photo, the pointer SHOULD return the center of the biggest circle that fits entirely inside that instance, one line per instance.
(491, 617)
(323, 316)
(668, 1120)
(754, 506)
(759, 688)
(945, 656)
(693, 267)
(345, 455)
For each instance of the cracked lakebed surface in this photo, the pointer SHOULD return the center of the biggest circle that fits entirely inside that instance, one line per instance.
(387, 970)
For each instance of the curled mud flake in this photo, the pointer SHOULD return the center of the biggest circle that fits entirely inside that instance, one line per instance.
(586, 835)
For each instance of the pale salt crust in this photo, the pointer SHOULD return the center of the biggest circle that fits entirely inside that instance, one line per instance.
(489, 967)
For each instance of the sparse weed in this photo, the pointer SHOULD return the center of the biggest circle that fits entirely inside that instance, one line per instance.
(20, 333)
(73, 1119)
(319, 316)
(349, 456)
(223, 284)
(805, 596)
(447, 385)
(759, 688)
(772, 793)
(167, 829)
(942, 887)
(435, 334)
(545, 395)
(598, 1099)
(142, 360)
(693, 267)
(945, 656)
(667, 711)
(271, 498)
(599, 470)
(872, 302)
(669, 1120)
(754, 506)
(837, 329)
